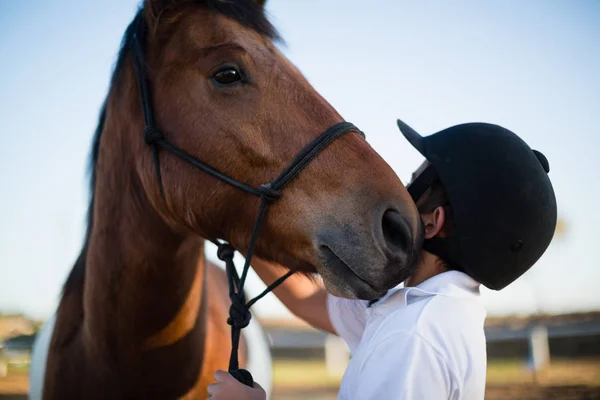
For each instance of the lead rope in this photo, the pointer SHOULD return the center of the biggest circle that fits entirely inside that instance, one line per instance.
(239, 312)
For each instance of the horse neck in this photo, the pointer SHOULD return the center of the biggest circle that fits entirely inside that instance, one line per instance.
(143, 293)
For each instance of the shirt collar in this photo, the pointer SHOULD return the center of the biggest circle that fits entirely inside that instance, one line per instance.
(450, 283)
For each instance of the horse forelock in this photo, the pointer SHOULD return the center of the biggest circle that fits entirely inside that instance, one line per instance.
(248, 13)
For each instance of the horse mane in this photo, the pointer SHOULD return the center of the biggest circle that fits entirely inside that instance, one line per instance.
(246, 12)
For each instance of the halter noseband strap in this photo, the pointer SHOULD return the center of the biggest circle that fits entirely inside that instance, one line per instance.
(239, 312)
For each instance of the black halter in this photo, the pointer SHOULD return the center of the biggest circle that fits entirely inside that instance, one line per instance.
(239, 312)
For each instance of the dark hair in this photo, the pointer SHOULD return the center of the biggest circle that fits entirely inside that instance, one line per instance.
(435, 196)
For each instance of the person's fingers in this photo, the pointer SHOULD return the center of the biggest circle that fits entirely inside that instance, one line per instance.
(213, 389)
(222, 376)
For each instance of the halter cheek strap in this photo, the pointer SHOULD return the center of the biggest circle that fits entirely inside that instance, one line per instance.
(239, 312)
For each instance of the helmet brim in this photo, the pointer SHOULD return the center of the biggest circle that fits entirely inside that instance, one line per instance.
(412, 136)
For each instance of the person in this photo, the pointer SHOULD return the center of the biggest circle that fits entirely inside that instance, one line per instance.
(489, 213)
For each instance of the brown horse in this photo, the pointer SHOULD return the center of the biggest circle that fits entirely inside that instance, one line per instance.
(142, 315)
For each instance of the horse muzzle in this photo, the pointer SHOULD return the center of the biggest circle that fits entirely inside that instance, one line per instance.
(357, 262)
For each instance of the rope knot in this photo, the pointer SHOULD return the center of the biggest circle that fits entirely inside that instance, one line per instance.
(152, 135)
(239, 314)
(268, 194)
(225, 252)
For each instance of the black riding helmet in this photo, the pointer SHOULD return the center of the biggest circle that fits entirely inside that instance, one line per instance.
(502, 201)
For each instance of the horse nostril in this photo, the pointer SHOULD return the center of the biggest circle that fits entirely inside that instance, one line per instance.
(396, 232)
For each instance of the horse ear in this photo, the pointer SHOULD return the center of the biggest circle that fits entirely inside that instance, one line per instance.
(261, 2)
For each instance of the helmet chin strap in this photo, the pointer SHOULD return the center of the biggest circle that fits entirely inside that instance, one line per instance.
(446, 249)
(422, 182)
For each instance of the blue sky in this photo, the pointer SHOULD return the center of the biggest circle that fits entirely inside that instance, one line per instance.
(531, 66)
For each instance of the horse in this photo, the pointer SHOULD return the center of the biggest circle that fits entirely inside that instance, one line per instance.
(142, 314)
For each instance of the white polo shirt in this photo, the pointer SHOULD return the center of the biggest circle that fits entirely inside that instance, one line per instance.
(419, 343)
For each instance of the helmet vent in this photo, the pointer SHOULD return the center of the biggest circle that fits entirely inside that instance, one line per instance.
(517, 246)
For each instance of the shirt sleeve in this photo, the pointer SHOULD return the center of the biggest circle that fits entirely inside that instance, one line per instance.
(348, 317)
(405, 367)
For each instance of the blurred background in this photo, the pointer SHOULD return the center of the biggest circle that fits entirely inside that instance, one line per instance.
(531, 66)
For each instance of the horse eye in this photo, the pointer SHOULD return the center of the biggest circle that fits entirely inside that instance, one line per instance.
(227, 76)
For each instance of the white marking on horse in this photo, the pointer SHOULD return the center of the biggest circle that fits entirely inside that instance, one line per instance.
(39, 357)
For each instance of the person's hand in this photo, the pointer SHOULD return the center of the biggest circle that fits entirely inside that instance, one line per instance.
(228, 388)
